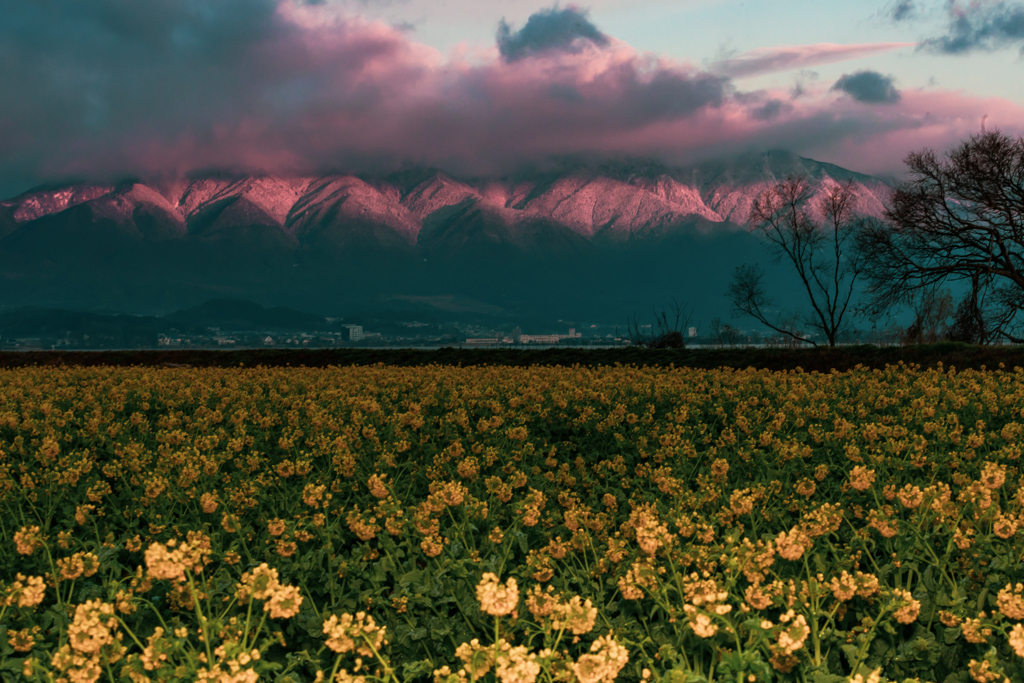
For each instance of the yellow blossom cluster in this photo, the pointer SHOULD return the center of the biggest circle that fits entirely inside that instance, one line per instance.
(496, 598)
(717, 498)
(94, 638)
(575, 615)
(603, 663)
(233, 665)
(23, 640)
(360, 634)
(515, 664)
(27, 540)
(166, 561)
(282, 602)
(24, 591)
(476, 658)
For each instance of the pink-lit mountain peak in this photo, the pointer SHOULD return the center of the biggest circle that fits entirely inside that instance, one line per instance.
(273, 195)
(612, 201)
(683, 198)
(119, 206)
(37, 203)
(331, 202)
(598, 204)
(437, 192)
(729, 187)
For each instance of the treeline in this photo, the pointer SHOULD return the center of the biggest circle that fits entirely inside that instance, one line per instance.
(954, 226)
(822, 359)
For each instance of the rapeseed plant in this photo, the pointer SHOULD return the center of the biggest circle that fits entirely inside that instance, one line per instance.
(718, 525)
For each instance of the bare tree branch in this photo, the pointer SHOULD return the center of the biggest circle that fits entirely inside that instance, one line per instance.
(672, 335)
(749, 298)
(821, 253)
(958, 219)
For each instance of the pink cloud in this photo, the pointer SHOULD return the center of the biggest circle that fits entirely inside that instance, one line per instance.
(923, 119)
(314, 89)
(787, 57)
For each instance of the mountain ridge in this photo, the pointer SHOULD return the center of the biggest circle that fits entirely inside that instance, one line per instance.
(590, 199)
(584, 235)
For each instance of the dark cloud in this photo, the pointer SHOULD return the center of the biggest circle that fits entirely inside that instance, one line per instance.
(111, 88)
(980, 27)
(105, 79)
(901, 10)
(869, 87)
(803, 77)
(768, 111)
(668, 94)
(554, 29)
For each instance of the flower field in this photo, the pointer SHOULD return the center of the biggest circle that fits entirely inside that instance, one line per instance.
(446, 524)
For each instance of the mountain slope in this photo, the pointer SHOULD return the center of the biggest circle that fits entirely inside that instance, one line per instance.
(340, 211)
(45, 201)
(583, 236)
(729, 187)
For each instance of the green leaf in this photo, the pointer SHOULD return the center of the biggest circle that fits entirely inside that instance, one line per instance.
(439, 629)
(12, 664)
(423, 667)
(851, 652)
(957, 677)
(521, 539)
(410, 578)
(928, 578)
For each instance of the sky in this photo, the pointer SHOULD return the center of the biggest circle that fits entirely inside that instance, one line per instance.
(102, 90)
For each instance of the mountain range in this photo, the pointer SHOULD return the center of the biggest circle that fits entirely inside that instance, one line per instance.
(579, 240)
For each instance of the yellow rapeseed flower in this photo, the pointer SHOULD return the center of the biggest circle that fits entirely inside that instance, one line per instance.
(1016, 639)
(25, 591)
(164, 563)
(284, 603)
(517, 665)
(93, 626)
(603, 663)
(861, 478)
(575, 615)
(791, 546)
(27, 540)
(359, 633)
(261, 583)
(495, 598)
(23, 640)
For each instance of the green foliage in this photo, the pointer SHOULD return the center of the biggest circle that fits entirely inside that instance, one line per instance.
(722, 524)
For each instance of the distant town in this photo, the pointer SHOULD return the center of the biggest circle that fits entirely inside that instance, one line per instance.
(399, 335)
(353, 336)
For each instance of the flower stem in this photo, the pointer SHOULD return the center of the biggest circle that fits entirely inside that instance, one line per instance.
(202, 620)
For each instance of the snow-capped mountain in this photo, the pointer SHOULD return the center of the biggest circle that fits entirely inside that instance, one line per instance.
(338, 237)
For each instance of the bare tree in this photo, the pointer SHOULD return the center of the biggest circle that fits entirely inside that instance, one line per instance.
(663, 335)
(725, 334)
(932, 311)
(821, 253)
(955, 219)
